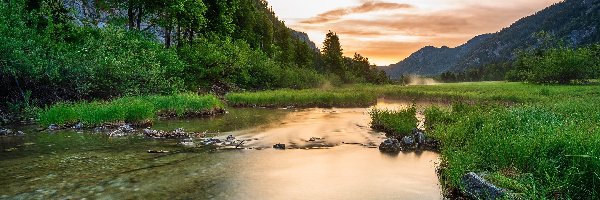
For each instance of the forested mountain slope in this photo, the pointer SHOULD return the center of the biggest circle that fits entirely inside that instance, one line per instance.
(576, 22)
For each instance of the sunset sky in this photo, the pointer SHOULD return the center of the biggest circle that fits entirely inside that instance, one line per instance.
(388, 31)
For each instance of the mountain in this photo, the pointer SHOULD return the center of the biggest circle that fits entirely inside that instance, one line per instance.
(304, 37)
(576, 22)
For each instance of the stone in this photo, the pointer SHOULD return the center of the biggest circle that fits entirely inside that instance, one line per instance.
(78, 126)
(390, 145)
(419, 136)
(117, 133)
(279, 146)
(477, 187)
(5, 131)
(187, 142)
(53, 127)
(126, 128)
(408, 140)
(230, 138)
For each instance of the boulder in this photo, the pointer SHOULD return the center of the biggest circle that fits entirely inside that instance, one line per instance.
(187, 142)
(390, 145)
(53, 127)
(279, 146)
(408, 141)
(126, 128)
(78, 126)
(5, 131)
(477, 187)
(419, 136)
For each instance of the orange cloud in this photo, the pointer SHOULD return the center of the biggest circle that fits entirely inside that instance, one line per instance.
(366, 7)
(393, 36)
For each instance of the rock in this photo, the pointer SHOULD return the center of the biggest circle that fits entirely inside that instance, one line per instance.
(53, 127)
(230, 138)
(279, 146)
(117, 133)
(78, 126)
(126, 128)
(211, 141)
(20, 133)
(157, 151)
(178, 133)
(5, 131)
(408, 140)
(99, 129)
(187, 142)
(419, 136)
(390, 145)
(478, 188)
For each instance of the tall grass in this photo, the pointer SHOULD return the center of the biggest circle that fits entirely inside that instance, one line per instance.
(301, 98)
(540, 151)
(394, 123)
(127, 109)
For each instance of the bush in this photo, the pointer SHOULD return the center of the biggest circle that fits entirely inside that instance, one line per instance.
(394, 123)
(558, 65)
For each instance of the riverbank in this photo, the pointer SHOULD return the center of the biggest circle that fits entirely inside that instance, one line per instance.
(543, 146)
(538, 141)
(135, 110)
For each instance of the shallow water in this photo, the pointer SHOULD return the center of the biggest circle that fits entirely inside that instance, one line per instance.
(340, 164)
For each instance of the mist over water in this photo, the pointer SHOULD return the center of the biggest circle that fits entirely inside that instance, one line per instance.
(416, 80)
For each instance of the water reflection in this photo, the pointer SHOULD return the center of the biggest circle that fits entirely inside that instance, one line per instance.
(330, 159)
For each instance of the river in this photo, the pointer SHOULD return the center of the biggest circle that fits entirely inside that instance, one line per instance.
(341, 163)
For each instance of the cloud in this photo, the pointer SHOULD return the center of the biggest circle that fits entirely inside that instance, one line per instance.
(387, 37)
(365, 7)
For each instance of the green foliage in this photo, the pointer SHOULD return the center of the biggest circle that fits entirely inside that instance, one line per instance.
(558, 65)
(126, 109)
(333, 54)
(300, 98)
(394, 123)
(546, 150)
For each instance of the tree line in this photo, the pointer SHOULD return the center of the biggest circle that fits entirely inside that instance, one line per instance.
(47, 55)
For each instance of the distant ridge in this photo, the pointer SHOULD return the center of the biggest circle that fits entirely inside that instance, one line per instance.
(577, 22)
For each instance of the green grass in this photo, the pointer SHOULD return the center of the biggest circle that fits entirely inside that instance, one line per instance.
(127, 109)
(394, 123)
(549, 149)
(543, 144)
(362, 95)
(301, 98)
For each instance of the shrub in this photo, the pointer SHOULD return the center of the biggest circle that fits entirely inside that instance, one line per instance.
(394, 123)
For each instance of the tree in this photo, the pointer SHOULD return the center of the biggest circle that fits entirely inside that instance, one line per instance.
(332, 54)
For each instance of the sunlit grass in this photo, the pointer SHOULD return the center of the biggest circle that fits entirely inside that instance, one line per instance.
(127, 109)
(302, 98)
(394, 122)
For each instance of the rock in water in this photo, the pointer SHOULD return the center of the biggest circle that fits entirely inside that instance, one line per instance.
(126, 128)
(390, 145)
(478, 188)
(419, 136)
(279, 146)
(408, 140)
(53, 127)
(189, 142)
(78, 126)
(5, 131)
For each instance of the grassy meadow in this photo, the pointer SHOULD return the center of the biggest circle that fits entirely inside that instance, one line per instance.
(540, 141)
(543, 144)
(128, 109)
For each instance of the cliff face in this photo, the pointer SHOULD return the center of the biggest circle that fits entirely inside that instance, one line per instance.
(576, 22)
(304, 37)
(89, 13)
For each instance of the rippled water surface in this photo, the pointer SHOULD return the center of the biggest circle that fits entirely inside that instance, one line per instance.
(342, 163)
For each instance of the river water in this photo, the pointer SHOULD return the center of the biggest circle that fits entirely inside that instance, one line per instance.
(341, 163)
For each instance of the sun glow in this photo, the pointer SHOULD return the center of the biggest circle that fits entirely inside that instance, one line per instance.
(389, 31)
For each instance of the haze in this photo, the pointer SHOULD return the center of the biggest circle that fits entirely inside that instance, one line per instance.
(389, 31)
